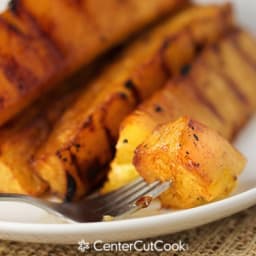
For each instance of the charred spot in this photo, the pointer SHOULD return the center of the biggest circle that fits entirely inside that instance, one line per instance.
(130, 85)
(192, 164)
(187, 153)
(199, 48)
(77, 146)
(185, 70)
(191, 124)
(196, 164)
(109, 136)
(88, 124)
(93, 170)
(235, 178)
(20, 77)
(75, 163)
(166, 43)
(158, 109)
(111, 139)
(125, 141)
(123, 95)
(13, 5)
(64, 159)
(71, 187)
(96, 174)
(196, 137)
(58, 154)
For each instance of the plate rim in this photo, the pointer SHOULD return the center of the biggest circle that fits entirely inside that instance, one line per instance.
(230, 205)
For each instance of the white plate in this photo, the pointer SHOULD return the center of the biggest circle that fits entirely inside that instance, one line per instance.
(22, 222)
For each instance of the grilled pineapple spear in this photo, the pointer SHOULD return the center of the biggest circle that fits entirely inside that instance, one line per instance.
(82, 143)
(45, 42)
(212, 92)
(21, 137)
(201, 164)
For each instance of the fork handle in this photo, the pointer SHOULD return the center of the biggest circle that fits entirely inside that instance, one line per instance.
(42, 204)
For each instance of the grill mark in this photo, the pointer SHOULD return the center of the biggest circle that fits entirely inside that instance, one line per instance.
(2, 102)
(22, 78)
(93, 170)
(81, 7)
(110, 138)
(13, 29)
(233, 87)
(185, 70)
(74, 162)
(244, 55)
(52, 47)
(71, 187)
(198, 46)
(199, 95)
(96, 171)
(130, 85)
(164, 66)
(229, 81)
(26, 38)
(226, 13)
(88, 124)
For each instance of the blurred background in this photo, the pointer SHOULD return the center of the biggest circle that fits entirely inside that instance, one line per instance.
(245, 15)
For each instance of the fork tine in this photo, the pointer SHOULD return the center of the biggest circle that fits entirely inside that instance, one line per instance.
(149, 190)
(123, 189)
(130, 197)
(133, 207)
(120, 196)
(98, 197)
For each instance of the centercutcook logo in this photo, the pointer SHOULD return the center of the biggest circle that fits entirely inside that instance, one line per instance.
(138, 245)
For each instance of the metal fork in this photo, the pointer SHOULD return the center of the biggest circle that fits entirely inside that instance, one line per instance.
(121, 202)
